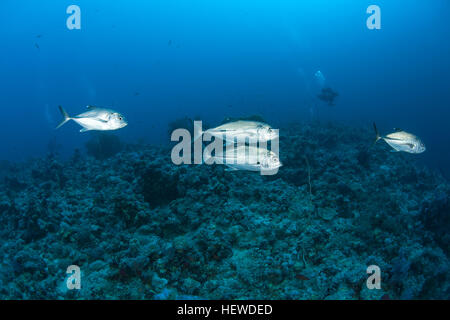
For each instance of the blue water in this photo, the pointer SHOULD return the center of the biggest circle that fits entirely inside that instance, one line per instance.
(214, 59)
(161, 60)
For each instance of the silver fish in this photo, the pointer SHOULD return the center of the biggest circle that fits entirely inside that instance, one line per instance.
(95, 119)
(248, 158)
(402, 141)
(242, 129)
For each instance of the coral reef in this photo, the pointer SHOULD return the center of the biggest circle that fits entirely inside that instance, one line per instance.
(140, 227)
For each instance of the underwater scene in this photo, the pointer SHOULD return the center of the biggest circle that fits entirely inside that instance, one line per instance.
(221, 150)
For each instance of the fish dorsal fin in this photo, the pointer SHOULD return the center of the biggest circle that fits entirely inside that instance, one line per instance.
(397, 129)
(89, 107)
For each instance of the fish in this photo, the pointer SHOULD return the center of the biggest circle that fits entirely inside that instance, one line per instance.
(328, 95)
(242, 129)
(401, 141)
(95, 119)
(248, 158)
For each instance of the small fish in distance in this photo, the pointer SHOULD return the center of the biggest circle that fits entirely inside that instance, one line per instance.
(401, 141)
(95, 119)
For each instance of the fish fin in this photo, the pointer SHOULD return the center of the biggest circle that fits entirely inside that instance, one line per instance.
(84, 130)
(393, 139)
(231, 169)
(395, 151)
(65, 117)
(377, 134)
(90, 107)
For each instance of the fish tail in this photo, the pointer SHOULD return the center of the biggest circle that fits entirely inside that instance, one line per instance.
(377, 134)
(65, 115)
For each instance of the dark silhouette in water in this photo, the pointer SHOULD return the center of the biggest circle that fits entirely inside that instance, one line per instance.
(185, 123)
(180, 123)
(103, 146)
(328, 95)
